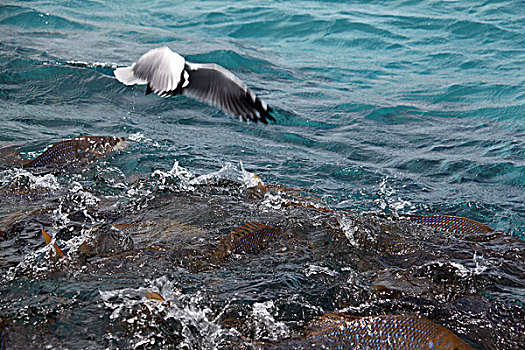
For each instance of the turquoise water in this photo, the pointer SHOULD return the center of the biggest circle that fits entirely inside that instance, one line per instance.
(381, 106)
(423, 99)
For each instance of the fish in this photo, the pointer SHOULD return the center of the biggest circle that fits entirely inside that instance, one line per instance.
(342, 331)
(79, 148)
(167, 73)
(454, 224)
(250, 237)
(47, 238)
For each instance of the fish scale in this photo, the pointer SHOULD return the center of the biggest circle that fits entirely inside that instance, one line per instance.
(248, 238)
(76, 148)
(253, 237)
(386, 332)
(455, 224)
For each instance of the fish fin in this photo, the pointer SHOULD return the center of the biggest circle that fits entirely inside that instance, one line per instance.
(249, 227)
(336, 317)
(347, 316)
(220, 254)
(47, 239)
(154, 296)
(84, 248)
(122, 227)
(59, 252)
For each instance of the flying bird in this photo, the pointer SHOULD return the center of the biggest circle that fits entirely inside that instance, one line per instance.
(168, 73)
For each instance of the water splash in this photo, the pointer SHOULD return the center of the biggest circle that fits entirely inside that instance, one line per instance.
(193, 325)
(266, 326)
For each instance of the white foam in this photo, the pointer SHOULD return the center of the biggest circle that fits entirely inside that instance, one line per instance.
(315, 270)
(349, 229)
(47, 182)
(273, 201)
(387, 198)
(188, 181)
(231, 172)
(138, 136)
(125, 305)
(265, 323)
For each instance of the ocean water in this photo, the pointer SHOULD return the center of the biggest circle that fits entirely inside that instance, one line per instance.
(381, 107)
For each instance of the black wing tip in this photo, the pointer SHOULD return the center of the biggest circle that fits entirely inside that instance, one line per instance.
(263, 112)
(268, 115)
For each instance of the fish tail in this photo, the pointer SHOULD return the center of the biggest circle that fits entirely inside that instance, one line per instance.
(250, 227)
(47, 239)
(154, 296)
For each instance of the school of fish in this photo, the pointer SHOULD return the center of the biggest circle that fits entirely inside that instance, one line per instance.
(333, 331)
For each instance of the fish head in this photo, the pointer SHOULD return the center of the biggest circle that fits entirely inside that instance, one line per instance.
(103, 145)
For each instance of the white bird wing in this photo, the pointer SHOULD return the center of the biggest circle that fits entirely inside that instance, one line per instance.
(162, 69)
(218, 86)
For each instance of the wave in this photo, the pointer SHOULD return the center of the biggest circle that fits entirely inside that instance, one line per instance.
(28, 18)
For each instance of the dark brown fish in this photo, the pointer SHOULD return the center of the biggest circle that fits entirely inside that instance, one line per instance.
(83, 148)
(456, 224)
(248, 238)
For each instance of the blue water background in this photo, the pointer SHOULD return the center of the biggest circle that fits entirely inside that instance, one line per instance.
(409, 106)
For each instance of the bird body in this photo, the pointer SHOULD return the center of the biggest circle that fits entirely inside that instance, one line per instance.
(167, 73)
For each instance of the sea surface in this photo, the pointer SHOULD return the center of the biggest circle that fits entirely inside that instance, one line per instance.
(382, 108)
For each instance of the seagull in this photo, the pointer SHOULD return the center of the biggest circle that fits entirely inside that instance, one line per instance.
(167, 73)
